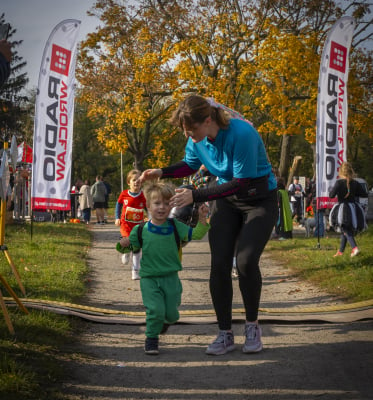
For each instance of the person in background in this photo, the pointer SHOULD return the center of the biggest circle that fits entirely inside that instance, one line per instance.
(319, 215)
(284, 225)
(244, 207)
(347, 216)
(98, 192)
(129, 212)
(74, 195)
(295, 190)
(5, 59)
(86, 201)
(106, 205)
(160, 262)
(309, 191)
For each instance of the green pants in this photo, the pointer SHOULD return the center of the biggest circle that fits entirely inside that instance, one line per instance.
(161, 297)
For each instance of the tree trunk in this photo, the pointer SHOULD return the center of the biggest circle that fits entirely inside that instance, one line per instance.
(294, 169)
(283, 168)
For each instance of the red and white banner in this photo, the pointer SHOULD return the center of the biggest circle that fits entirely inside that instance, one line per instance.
(331, 125)
(54, 112)
(24, 153)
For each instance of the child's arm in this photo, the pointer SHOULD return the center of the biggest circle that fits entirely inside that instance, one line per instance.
(202, 226)
(124, 246)
(203, 211)
(118, 211)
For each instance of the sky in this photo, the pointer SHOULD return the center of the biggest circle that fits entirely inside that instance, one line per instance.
(34, 21)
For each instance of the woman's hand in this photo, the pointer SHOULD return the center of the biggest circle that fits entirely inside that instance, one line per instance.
(182, 198)
(150, 174)
(117, 222)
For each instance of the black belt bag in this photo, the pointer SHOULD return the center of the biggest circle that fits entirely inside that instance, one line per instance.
(256, 189)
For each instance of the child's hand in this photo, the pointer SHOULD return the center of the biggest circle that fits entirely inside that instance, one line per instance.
(124, 242)
(203, 211)
(117, 222)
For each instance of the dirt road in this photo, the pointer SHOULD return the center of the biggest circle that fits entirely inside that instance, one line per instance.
(304, 357)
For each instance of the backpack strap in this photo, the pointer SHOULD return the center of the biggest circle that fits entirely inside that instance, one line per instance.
(176, 233)
(139, 232)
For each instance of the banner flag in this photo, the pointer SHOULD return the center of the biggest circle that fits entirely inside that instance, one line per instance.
(331, 122)
(24, 153)
(54, 113)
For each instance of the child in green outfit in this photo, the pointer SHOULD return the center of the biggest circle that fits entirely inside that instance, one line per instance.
(160, 263)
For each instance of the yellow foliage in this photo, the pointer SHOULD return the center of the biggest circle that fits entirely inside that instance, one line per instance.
(137, 65)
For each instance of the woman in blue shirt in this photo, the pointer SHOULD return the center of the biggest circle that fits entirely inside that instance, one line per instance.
(243, 212)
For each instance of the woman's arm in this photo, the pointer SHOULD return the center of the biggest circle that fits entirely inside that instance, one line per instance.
(178, 170)
(184, 197)
(334, 191)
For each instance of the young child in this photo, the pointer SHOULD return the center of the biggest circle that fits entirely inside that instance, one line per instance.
(129, 212)
(160, 262)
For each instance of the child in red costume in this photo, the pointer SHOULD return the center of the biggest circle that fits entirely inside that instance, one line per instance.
(129, 212)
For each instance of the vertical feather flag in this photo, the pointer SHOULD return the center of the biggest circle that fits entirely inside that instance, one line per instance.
(331, 125)
(54, 112)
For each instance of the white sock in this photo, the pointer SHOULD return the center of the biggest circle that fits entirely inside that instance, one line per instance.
(136, 260)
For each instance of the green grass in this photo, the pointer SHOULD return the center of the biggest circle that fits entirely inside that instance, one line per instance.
(312, 260)
(53, 266)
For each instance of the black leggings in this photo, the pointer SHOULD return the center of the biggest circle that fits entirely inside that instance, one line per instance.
(246, 227)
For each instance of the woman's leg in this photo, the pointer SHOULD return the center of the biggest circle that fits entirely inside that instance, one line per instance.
(342, 243)
(226, 222)
(350, 238)
(255, 234)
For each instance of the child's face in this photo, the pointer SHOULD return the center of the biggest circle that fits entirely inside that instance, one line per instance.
(159, 208)
(134, 184)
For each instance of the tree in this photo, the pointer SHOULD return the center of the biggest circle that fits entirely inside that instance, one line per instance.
(126, 82)
(288, 63)
(360, 122)
(12, 115)
(89, 157)
(286, 88)
(259, 57)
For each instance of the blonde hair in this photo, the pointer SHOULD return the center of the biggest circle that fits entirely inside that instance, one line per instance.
(195, 109)
(164, 189)
(346, 171)
(131, 174)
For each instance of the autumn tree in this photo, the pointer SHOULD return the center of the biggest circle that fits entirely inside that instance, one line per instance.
(146, 56)
(360, 121)
(12, 101)
(288, 63)
(126, 82)
(259, 57)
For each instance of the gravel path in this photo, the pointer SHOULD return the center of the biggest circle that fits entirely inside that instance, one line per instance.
(301, 359)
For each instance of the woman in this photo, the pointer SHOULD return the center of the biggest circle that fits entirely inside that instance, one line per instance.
(284, 225)
(86, 201)
(243, 212)
(347, 216)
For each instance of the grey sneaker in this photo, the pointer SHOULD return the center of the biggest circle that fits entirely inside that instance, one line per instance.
(223, 343)
(253, 335)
